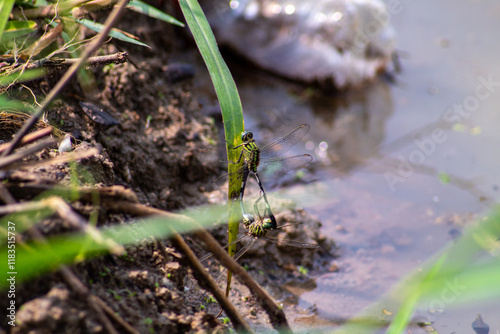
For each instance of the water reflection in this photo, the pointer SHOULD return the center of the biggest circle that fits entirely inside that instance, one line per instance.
(347, 128)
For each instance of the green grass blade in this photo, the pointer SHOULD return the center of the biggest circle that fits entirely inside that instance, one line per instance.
(420, 287)
(15, 29)
(36, 258)
(466, 271)
(143, 8)
(97, 27)
(5, 9)
(16, 105)
(229, 101)
(27, 75)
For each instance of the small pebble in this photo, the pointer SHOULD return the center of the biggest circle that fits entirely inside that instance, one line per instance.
(479, 326)
(65, 144)
(97, 114)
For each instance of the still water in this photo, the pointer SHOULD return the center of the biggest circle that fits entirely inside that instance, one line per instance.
(401, 168)
(404, 167)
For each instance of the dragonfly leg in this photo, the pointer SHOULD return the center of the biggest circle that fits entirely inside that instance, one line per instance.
(241, 154)
(247, 218)
(256, 208)
(274, 224)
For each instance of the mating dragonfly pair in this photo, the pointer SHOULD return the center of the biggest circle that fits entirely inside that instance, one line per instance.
(269, 163)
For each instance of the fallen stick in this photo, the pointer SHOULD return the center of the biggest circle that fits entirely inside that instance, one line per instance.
(31, 137)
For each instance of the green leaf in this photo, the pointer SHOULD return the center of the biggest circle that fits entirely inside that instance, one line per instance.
(6, 104)
(5, 9)
(143, 8)
(27, 75)
(15, 29)
(113, 33)
(230, 104)
(37, 258)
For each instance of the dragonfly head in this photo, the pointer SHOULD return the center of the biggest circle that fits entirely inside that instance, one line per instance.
(267, 224)
(248, 220)
(246, 136)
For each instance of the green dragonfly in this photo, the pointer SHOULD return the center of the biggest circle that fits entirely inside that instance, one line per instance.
(268, 162)
(258, 228)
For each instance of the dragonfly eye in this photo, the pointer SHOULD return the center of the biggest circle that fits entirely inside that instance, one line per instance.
(267, 224)
(246, 136)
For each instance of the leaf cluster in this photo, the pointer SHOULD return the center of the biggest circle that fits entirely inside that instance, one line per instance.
(42, 30)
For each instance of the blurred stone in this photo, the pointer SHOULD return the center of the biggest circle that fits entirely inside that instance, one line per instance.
(339, 41)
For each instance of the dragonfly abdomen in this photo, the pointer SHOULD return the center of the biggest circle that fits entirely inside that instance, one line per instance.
(257, 230)
(252, 154)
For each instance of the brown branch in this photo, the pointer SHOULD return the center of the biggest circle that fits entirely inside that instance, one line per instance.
(108, 25)
(6, 161)
(141, 210)
(66, 213)
(276, 315)
(96, 303)
(5, 195)
(21, 207)
(208, 282)
(26, 188)
(29, 138)
(59, 64)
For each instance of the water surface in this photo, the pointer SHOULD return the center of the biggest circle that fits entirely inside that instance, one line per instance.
(404, 167)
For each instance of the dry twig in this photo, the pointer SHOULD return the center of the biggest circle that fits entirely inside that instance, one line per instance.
(7, 161)
(204, 278)
(59, 64)
(34, 136)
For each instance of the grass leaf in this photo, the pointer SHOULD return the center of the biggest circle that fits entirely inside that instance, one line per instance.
(5, 9)
(7, 105)
(27, 75)
(143, 8)
(36, 258)
(229, 100)
(115, 33)
(15, 29)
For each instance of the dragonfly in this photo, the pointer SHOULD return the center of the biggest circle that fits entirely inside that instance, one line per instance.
(269, 163)
(258, 229)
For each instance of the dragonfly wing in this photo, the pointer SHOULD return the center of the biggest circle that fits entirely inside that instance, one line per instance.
(245, 248)
(209, 255)
(285, 143)
(277, 167)
(293, 243)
